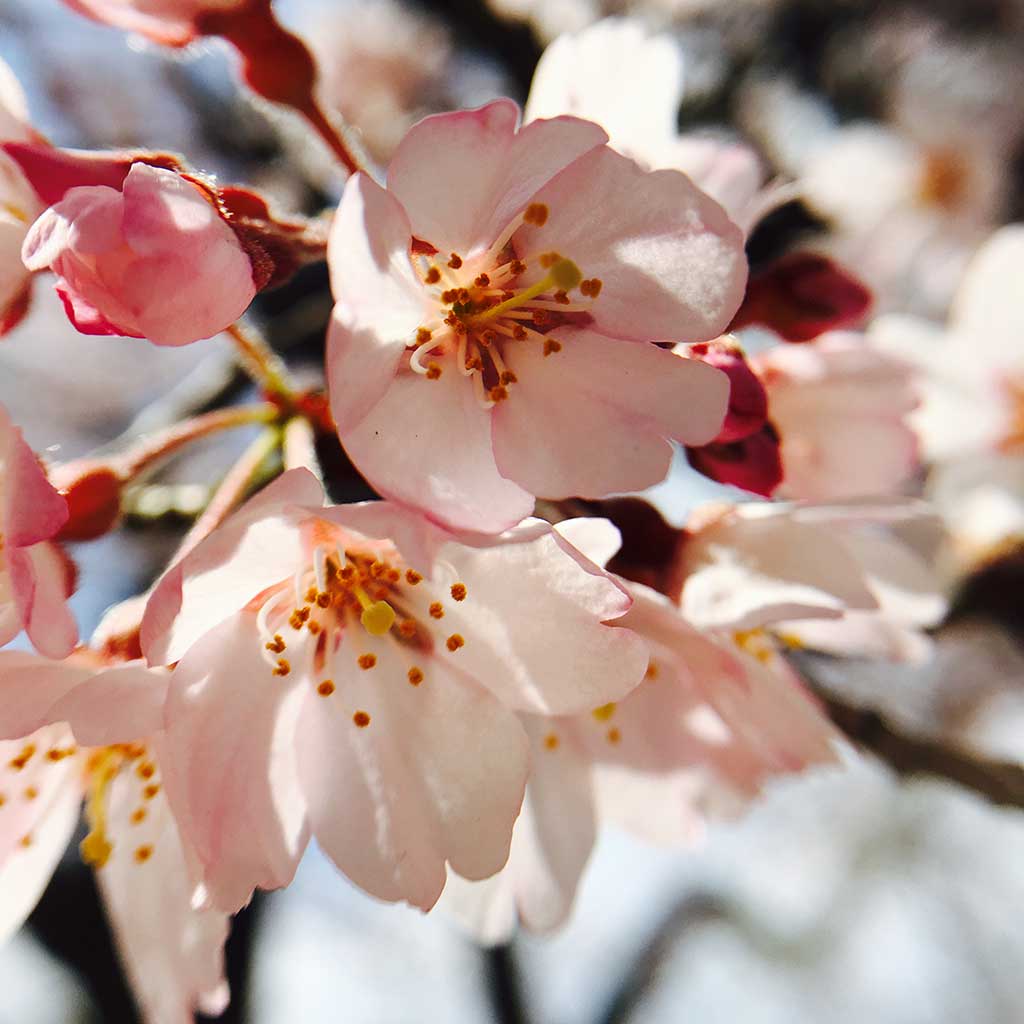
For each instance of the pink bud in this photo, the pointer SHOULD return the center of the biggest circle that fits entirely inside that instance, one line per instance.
(154, 260)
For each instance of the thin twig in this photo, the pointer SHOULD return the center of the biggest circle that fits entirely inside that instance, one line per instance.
(261, 362)
(1001, 782)
(231, 492)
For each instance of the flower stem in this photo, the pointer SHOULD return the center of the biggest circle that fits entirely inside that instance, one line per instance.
(300, 446)
(261, 362)
(151, 450)
(332, 135)
(231, 492)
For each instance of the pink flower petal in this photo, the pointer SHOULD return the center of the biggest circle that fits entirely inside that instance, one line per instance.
(763, 565)
(30, 686)
(427, 443)
(380, 301)
(228, 764)
(33, 510)
(39, 579)
(554, 836)
(436, 775)
(34, 783)
(118, 705)
(172, 953)
(592, 419)
(670, 261)
(462, 177)
(259, 546)
(533, 619)
(48, 821)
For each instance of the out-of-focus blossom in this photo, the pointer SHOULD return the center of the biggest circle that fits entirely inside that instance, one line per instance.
(971, 379)
(70, 731)
(18, 203)
(638, 108)
(840, 407)
(708, 726)
(155, 259)
(170, 22)
(355, 672)
(971, 372)
(465, 379)
(906, 206)
(837, 578)
(35, 576)
(385, 76)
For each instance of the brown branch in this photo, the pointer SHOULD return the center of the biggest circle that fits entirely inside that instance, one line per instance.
(1001, 782)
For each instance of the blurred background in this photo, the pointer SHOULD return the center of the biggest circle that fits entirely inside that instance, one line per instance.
(845, 896)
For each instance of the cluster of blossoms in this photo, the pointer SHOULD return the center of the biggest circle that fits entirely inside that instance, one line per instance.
(447, 693)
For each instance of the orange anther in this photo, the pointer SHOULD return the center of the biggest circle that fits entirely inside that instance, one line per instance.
(436, 610)
(415, 676)
(455, 262)
(326, 688)
(361, 718)
(143, 853)
(433, 275)
(433, 371)
(550, 345)
(412, 577)
(454, 642)
(366, 661)
(536, 213)
(459, 591)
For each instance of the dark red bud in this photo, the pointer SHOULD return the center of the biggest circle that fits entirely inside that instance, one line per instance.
(748, 400)
(801, 297)
(754, 464)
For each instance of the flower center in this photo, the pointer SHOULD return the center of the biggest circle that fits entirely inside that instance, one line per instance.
(482, 308)
(302, 627)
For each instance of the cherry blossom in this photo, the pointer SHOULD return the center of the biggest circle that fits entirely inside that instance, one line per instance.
(354, 672)
(638, 107)
(970, 377)
(714, 719)
(171, 22)
(840, 407)
(155, 259)
(71, 731)
(464, 378)
(837, 578)
(34, 574)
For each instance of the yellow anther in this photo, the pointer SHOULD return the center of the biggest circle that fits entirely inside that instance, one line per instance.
(604, 712)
